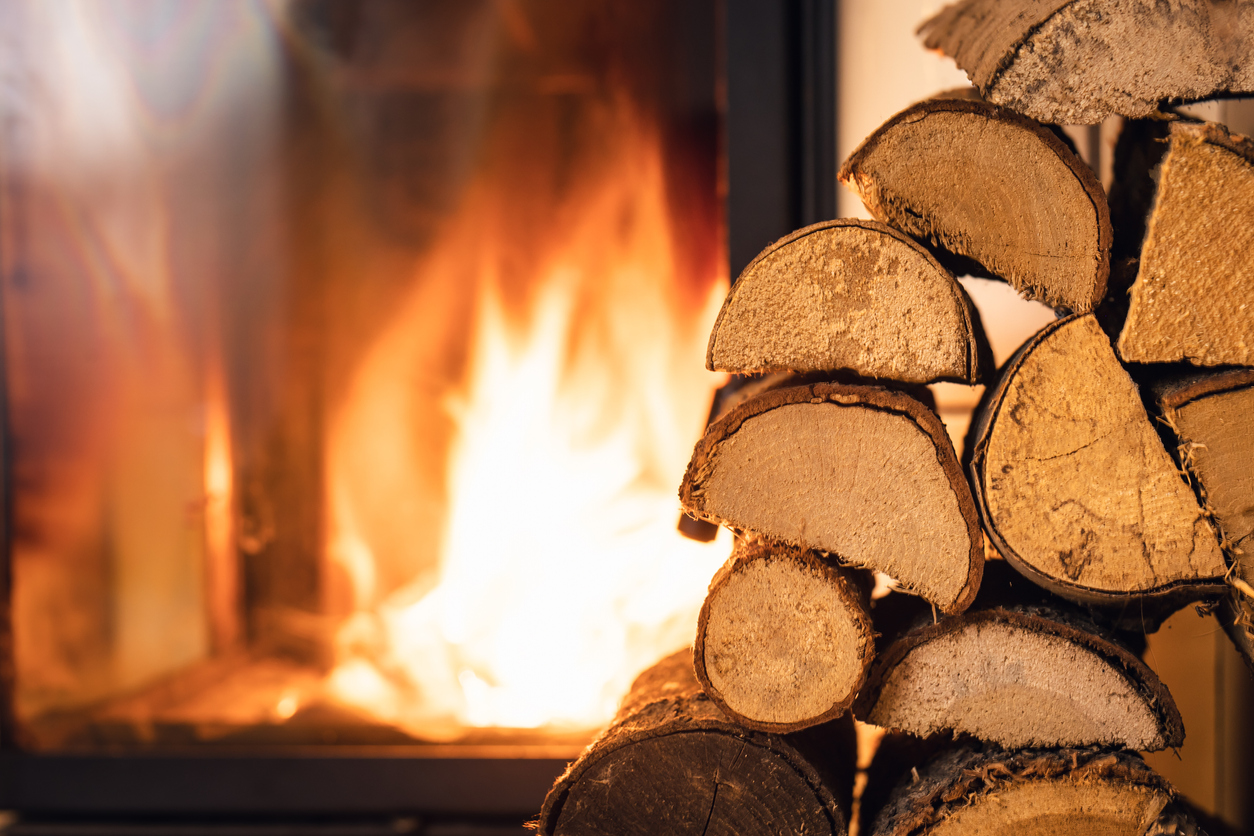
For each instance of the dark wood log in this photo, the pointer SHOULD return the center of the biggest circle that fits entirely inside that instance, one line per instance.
(993, 673)
(985, 183)
(1031, 792)
(784, 640)
(850, 294)
(865, 473)
(1193, 299)
(672, 763)
(1077, 491)
(1077, 63)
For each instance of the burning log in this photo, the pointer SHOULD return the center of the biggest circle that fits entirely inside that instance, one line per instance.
(986, 184)
(1077, 63)
(672, 763)
(863, 472)
(1076, 488)
(784, 640)
(1193, 298)
(1212, 416)
(849, 294)
(975, 673)
(1031, 791)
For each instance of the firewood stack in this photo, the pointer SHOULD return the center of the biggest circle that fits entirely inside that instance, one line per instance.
(1108, 474)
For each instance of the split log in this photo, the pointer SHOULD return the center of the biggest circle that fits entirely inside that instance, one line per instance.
(1077, 63)
(865, 473)
(986, 184)
(1193, 298)
(1212, 417)
(672, 763)
(784, 640)
(1077, 490)
(993, 673)
(1033, 792)
(849, 294)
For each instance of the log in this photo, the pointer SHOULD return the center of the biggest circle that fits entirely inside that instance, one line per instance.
(849, 294)
(672, 763)
(993, 673)
(1032, 792)
(1075, 486)
(1212, 417)
(1193, 298)
(865, 473)
(784, 640)
(986, 184)
(1076, 63)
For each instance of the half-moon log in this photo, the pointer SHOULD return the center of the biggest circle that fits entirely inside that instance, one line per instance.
(672, 763)
(1193, 298)
(994, 674)
(784, 640)
(865, 473)
(849, 294)
(987, 184)
(1077, 490)
(1075, 63)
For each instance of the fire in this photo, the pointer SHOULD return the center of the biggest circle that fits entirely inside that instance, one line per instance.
(561, 573)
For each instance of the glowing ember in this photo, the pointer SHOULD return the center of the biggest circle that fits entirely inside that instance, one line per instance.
(562, 574)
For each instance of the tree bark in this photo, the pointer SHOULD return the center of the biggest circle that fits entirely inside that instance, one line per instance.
(672, 763)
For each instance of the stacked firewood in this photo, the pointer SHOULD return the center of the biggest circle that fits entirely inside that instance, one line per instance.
(1107, 479)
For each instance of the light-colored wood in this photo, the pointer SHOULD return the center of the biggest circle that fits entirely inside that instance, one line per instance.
(784, 640)
(984, 183)
(1076, 62)
(1057, 792)
(849, 294)
(1076, 487)
(974, 673)
(1193, 298)
(865, 473)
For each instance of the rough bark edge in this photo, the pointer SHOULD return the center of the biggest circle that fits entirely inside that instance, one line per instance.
(979, 362)
(691, 493)
(1174, 394)
(1161, 601)
(1038, 620)
(1092, 187)
(662, 703)
(964, 776)
(852, 595)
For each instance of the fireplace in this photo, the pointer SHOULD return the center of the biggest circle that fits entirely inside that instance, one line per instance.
(352, 353)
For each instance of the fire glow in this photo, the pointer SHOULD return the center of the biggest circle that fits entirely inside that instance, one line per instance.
(562, 574)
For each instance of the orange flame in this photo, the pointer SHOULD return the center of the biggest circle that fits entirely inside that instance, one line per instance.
(561, 574)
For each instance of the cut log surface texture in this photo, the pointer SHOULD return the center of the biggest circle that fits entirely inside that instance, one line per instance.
(849, 294)
(783, 640)
(672, 763)
(996, 674)
(863, 472)
(1193, 298)
(982, 182)
(1077, 489)
(1076, 62)
(1030, 792)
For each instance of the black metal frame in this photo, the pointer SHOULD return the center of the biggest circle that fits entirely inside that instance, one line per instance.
(780, 132)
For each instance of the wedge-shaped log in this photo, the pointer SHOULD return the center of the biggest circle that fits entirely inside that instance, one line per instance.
(784, 640)
(1212, 416)
(984, 183)
(1193, 298)
(863, 472)
(849, 294)
(1077, 63)
(672, 763)
(1076, 488)
(1042, 792)
(975, 673)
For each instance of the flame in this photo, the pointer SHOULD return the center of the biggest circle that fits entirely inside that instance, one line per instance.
(561, 574)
